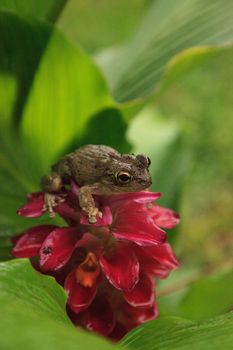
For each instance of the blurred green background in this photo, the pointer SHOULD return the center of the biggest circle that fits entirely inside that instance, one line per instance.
(143, 76)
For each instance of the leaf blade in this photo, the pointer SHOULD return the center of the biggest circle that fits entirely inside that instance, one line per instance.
(180, 334)
(44, 9)
(136, 69)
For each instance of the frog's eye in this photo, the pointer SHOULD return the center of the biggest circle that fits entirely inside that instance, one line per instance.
(148, 162)
(123, 177)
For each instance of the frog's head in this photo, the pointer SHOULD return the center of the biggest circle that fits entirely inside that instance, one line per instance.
(128, 173)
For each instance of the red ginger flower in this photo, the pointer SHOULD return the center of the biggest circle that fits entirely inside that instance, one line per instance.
(107, 268)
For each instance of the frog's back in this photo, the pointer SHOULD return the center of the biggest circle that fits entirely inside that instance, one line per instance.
(86, 164)
(94, 152)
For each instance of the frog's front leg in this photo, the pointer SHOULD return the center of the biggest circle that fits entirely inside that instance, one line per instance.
(51, 185)
(87, 203)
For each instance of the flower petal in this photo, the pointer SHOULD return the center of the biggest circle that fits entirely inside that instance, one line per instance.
(142, 295)
(155, 257)
(140, 197)
(69, 214)
(69, 209)
(74, 188)
(121, 268)
(28, 244)
(135, 316)
(164, 217)
(79, 297)
(99, 316)
(56, 250)
(105, 220)
(157, 270)
(34, 207)
(138, 238)
(89, 241)
(132, 222)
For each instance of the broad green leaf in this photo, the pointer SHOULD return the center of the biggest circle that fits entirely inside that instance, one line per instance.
(107, 128)
(207, 297)
(67, 89)
(21, 284)
(33, 313)
(136, 69)
(45, 9)
(104, 18)
(180, 334)
(189, 59)
(21, 52)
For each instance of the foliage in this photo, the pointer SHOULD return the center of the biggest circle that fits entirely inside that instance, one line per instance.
(177, 333)
(56, 97)
(169, 27)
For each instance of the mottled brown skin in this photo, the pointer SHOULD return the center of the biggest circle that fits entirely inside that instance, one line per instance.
(97, 169)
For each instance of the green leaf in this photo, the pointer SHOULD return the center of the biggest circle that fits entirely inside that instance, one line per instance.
(67, 89)
(169, 27)
(45, 9)
(20, 283)
(21, 52)
(33, 311)
(106, 127)
(207, 297)
(104, 18)
(189, 59)
(179, 334)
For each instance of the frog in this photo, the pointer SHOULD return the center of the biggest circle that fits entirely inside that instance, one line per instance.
(97, 170)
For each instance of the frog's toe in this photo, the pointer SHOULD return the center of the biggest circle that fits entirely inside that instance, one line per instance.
(92, 219)
(51, 201)
(93, 214)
